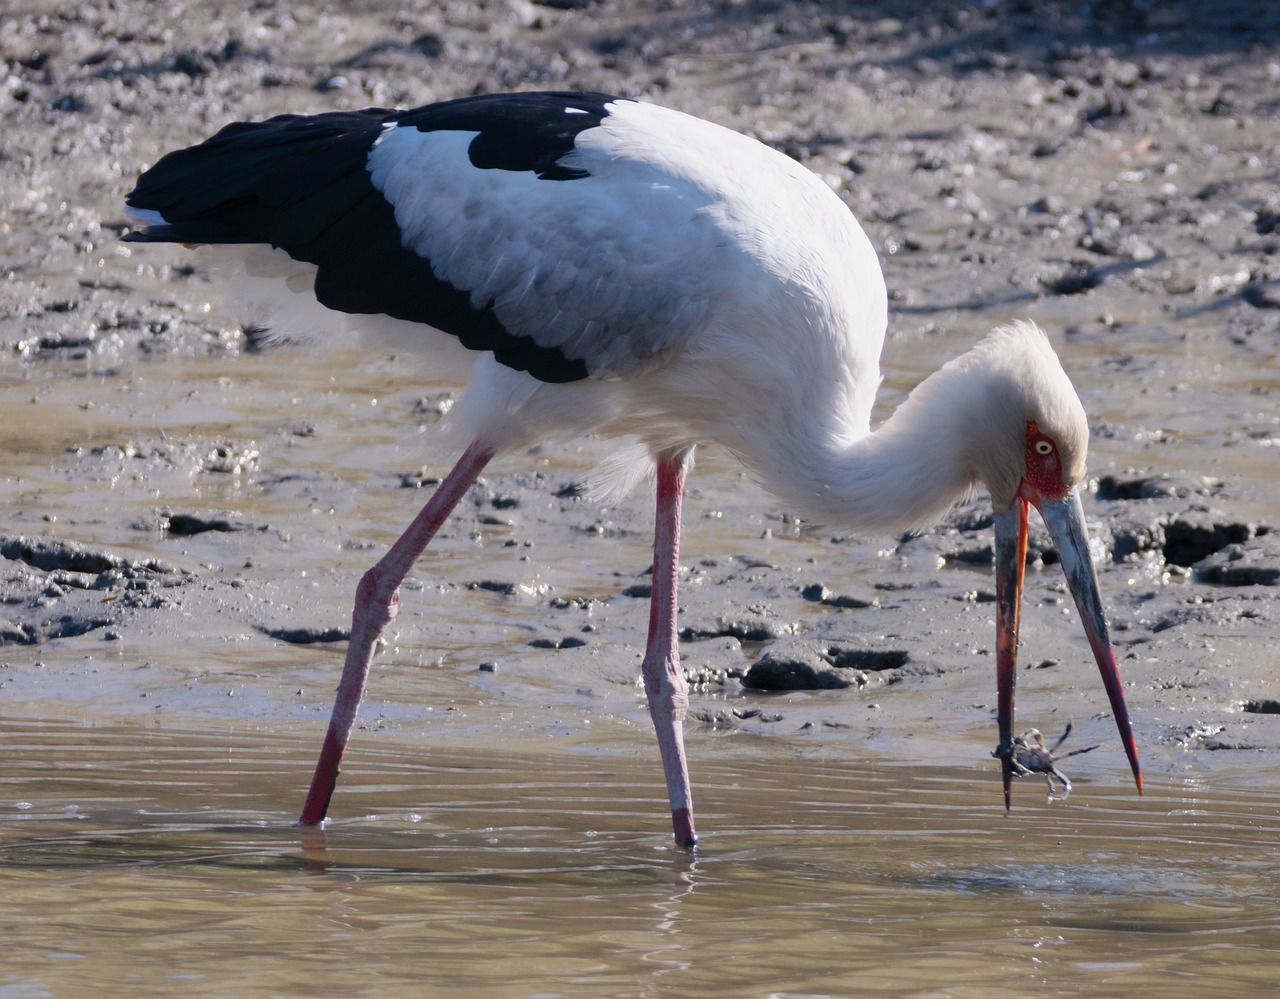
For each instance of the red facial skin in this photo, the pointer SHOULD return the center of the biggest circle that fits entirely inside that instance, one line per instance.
(1043, 477)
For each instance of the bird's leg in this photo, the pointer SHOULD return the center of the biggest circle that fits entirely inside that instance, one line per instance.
(377, 599)
(664, 681)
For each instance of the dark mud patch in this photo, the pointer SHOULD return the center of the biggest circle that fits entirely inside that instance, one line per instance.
(561, 642)
(185, 525)
(723, 719)
(1217, 548)
(308, 636)
(819, 594)
(1189, 539)
(780, 671)
(1151, 487)
(795, 664)
(48, 629)
(55, 555)
(1238, 565)
(870, 660)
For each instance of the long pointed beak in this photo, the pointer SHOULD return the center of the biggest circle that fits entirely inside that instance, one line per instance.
(1011, 559)
(1065, 520)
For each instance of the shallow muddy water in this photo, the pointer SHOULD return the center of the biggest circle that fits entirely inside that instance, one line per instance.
(162, 861)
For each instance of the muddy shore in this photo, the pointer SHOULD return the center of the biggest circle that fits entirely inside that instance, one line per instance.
(186, 513)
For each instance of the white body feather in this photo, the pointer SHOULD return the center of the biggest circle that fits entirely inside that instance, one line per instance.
(717, 291)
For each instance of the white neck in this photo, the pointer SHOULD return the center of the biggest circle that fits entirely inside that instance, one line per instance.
(964, 424)
(905, 475)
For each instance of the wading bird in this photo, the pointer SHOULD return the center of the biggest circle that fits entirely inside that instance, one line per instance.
(603, 265)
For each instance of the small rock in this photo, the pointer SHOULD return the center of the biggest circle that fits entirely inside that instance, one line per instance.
(795, 665)
(564, 642)
(743, 629)
(1152, 487)
(1194, 536)
(1080, 277)
(188, 524)
(307, 636)
(872, 660)
(819, 594)
(494, 586)
(1241, 565)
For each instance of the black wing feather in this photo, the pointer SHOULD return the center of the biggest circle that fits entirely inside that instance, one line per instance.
(301, 183)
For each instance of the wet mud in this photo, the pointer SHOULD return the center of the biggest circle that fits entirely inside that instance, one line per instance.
(187, 509)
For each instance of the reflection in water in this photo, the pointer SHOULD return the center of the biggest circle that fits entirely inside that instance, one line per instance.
(548, 874)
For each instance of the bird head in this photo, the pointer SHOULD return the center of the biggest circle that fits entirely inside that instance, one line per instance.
(1022, 431)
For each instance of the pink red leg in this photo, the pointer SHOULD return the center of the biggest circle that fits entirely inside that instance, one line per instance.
(377, 598)
(664, 681)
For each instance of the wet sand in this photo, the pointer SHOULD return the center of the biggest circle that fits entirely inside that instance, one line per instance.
(186, 515)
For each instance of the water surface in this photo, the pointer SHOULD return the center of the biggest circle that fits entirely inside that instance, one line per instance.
(150, 860)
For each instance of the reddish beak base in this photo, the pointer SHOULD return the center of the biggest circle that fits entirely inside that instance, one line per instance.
(1011, 560)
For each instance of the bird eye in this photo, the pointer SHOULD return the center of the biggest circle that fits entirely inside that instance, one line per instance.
(1044, 447)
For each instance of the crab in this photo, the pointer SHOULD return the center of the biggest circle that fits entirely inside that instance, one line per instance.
(1032, 756)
